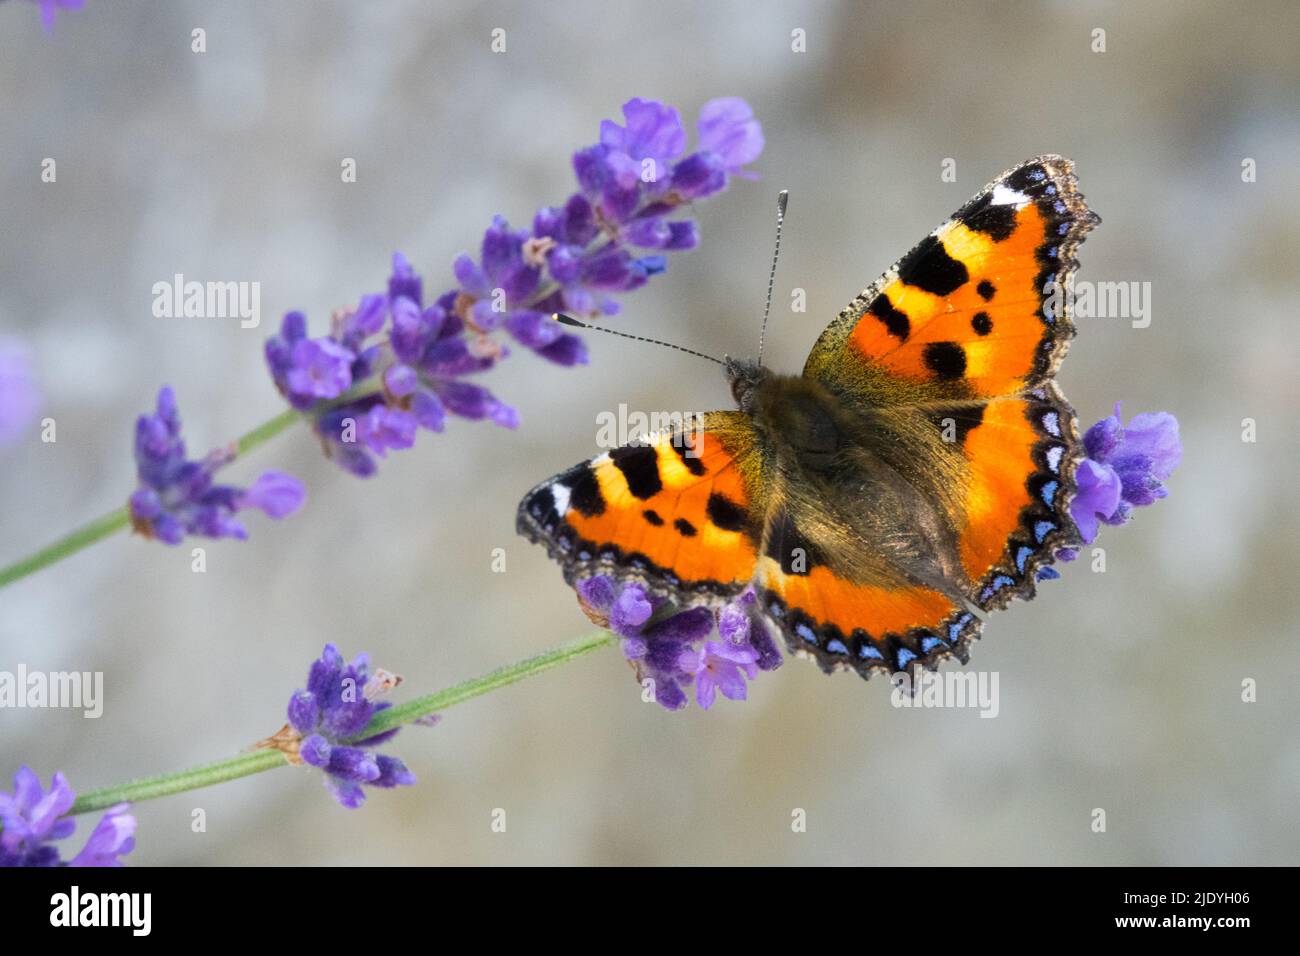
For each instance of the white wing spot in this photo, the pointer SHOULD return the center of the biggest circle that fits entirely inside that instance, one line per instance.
(1005, 196)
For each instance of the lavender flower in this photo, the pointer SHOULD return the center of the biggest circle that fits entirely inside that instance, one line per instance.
(178, 496)
(729, 131)
(419, 369)
(741, 623)
(653, 135)
(719, 666)
(336, 706)
(396, 365)
(1126, 468)
(1098, 494)
(19, 399)
(669, 645)
(31, 817)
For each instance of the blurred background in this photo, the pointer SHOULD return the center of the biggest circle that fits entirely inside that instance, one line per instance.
(1119, 690)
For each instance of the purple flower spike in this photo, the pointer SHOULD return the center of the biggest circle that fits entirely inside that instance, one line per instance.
(178, 496)
(406, 357)
(1125, 468)
(669, 646)
(417, 371)
(31, 818)
(628, 186)
(336, 706)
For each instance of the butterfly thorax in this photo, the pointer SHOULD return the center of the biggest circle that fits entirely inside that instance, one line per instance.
(840, 483)
(789, 409)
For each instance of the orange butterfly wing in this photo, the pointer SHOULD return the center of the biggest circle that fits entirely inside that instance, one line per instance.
(965, 314)
(845, 625)
(676, 514)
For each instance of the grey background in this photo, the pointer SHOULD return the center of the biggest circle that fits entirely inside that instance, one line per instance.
(1118, 690)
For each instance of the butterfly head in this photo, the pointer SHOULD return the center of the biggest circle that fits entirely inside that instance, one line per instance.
(745, 377)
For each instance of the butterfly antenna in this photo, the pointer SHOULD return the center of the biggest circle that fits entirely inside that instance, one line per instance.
(782, 198)
(570, 320)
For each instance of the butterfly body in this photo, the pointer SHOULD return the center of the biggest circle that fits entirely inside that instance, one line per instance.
(915, 475)
(838, 478)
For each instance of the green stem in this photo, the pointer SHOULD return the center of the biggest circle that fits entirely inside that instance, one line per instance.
(264, 432)
(255, 761)
(400, 714)
(83, 537)
(109, 524)
(164, 785)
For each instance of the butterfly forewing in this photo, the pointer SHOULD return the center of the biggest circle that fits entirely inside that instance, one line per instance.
(674, 513)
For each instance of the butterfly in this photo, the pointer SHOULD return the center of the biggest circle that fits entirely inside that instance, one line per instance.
(917, 474)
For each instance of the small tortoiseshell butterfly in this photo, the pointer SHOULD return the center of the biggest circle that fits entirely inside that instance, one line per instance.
(917, 473)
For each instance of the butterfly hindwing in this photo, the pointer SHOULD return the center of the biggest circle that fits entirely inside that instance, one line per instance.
(994, 510)
(675, 513)
(859, 565)
(1020, 462)
(846, 625)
